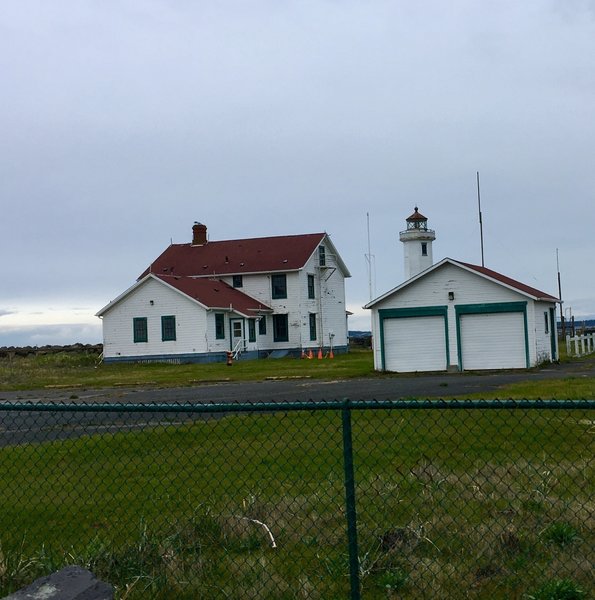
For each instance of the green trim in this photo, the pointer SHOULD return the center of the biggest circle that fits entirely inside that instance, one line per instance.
(418, 311)
(404, 313)
(311, 288)
(219, 326)
(279, 286)
(490, 308)
(168, 328)
(312, 325)
(280, 328)
(553, 333)
(140, 330)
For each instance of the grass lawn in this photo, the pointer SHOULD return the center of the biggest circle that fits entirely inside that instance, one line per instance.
(495, 503)
(82, 370)
(459, 503)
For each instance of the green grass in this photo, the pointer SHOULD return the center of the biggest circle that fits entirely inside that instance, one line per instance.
(82, 370)
(494, 503)
(74, 370)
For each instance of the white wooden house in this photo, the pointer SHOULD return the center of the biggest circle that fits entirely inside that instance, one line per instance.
(251, 297)
(459, 316)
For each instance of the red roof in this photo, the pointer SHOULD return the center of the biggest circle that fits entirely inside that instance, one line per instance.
(416, 216)
(214, 293)
(511, 282)
(254, 255)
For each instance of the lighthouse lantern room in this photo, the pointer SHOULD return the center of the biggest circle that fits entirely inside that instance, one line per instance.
(417, 244)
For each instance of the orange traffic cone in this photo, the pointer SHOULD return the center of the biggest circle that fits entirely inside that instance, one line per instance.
(330, 354)
(319, 353)
(310, 354)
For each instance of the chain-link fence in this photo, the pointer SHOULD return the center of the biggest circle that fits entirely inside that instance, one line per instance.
(416, 499)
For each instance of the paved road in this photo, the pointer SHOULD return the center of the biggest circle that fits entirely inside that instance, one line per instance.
(20, 427)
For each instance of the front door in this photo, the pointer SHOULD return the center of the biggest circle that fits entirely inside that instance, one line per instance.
(237, 334)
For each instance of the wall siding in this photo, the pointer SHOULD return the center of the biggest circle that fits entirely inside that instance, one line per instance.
(191, 323)
(195, 326)
(468, 288)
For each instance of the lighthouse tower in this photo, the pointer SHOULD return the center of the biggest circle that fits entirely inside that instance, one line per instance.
(417, 244)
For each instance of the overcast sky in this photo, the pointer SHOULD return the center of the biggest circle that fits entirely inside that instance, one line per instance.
(123, 122)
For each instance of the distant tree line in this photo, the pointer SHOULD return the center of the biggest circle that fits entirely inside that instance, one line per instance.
(9, 351)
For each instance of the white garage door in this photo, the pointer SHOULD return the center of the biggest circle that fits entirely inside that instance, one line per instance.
(493, 341)
(415, 344)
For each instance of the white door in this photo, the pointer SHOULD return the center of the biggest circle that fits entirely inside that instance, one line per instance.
(493, 341)
(237, 334)
(415, 344)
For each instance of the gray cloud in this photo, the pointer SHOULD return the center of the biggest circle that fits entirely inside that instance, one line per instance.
(123, 123)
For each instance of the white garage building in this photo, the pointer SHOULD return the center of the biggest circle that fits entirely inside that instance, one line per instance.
(458, 316)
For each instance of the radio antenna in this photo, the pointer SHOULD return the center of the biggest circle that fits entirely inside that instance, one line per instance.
(480, 220)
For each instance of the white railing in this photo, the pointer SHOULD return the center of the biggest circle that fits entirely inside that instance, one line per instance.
(579, 345)
(237, 350)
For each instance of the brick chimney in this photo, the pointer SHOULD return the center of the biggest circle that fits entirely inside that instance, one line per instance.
(199, 234)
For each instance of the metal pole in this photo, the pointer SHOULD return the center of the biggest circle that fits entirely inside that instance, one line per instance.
(560, 296)
(480, 220)
(350, 502)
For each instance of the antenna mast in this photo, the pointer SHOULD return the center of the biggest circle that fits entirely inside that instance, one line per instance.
(480, 221)
(369, 259)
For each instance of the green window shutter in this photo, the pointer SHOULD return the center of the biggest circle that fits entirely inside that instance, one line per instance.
(139, 329)
(168, 328)
(251, 330)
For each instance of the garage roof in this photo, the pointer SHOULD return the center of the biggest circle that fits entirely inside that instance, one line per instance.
(494, 276)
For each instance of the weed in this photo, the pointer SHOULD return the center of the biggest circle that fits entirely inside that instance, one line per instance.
(392, 579)
(558, 589)
(560, 534)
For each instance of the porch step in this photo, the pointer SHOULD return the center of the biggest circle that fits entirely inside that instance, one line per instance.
(278, 354)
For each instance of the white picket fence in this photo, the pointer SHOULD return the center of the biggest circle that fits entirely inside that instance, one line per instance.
(579, 345)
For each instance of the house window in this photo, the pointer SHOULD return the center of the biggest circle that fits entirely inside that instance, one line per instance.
(237, 281)
(279, 286)
(262, 325)
(424, 249)
(312, 327)
(251, 330)
(311, 286)
(321, 256)
(139, 328)
(219, 326)
(168, 329)
(280, 328)
(547, 322)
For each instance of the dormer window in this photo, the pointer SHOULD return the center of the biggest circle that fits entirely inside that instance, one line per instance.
(238, 281)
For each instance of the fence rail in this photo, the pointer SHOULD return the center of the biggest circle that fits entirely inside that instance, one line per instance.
(580, 345)
(337, 499)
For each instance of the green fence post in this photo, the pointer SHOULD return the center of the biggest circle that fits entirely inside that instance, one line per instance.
(350, 502)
